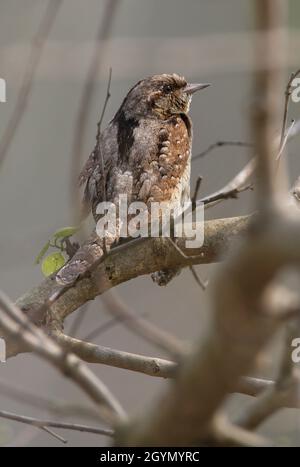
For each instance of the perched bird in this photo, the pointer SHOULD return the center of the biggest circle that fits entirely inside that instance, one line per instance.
(145, 151)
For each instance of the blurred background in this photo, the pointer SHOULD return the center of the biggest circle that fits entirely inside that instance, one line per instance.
(204, 40)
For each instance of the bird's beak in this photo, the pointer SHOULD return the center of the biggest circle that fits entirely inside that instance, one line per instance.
(194, 87)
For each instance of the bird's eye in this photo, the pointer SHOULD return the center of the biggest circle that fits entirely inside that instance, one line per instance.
(167, 88)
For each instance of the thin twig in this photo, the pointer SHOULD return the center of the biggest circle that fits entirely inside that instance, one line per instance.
(230, 194)
(241, 178)
(98, 136)
(55, 435)
(49, 423)
(220, 144)
(181, 252)
(288, 92)
(197, 188)
(200, 282)
(238, 181)
(57, 407)
(284, 141)
(97, 150)
(107, 97)
(36, 52)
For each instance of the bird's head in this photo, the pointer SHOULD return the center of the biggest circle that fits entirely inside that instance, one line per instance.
(160, 96)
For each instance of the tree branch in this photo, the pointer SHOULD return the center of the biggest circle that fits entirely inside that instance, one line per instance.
(125, 262)
(49, 423)
(22, 331)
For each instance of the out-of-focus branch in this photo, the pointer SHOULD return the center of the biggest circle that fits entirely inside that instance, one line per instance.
(241, 326)
(237, 55)
(86, 99)
(284, 392)
(224, 433)
(267, 86)
(215, 199)
(20, 329)
(62, 408)
(49, 423)
(288, 92)
(142, 327)
(35, 55)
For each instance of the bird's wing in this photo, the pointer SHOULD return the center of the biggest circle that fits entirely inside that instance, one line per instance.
(91, 176)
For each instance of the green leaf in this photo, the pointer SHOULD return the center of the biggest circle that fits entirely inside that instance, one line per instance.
(65, 232)
(42, 253)
(52, 263)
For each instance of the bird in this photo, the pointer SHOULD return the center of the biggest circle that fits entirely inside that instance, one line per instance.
(144, 152)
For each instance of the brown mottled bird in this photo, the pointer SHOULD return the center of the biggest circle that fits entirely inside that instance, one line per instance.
(146, 150)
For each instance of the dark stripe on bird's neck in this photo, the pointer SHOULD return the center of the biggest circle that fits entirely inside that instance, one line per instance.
(188, 123)
(125, 134)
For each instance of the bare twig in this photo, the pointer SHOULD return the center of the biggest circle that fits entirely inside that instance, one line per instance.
(57, 407)
(220, 144)
(247, 171)
(98, 354)
(97, 149)
(49, 423)
(265, 116)
(202, 284)
(288, 92)
(55, 435)
(196, 191)
(35, 55)
(210, 200)
(98, 146)
(284, 141)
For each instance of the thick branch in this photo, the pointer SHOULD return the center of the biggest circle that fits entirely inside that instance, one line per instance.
(142, 256)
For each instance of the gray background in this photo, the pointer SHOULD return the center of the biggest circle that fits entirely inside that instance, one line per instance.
(194, 38)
